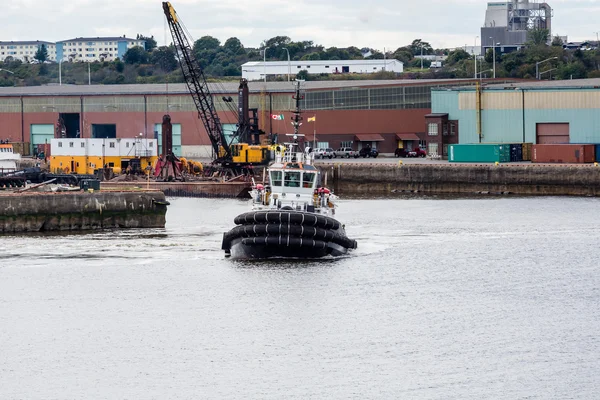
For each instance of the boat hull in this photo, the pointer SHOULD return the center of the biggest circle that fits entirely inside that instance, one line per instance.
(286, 234)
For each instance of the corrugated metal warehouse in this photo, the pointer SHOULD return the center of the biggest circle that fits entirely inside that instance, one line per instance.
(525, 112)
(384, 114)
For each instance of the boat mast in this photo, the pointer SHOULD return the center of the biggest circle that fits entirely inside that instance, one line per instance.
(296, 118)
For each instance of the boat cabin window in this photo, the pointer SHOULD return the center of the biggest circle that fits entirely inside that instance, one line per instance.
(276, 178)
(308, 179)
(292, 179)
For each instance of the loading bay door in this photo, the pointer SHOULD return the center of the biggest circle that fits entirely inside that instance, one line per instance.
(552, 133)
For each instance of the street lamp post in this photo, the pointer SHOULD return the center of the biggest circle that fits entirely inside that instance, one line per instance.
(545, 72)
(265, 64)
(493, 56)
(5, 70)
(289, 65)
(483, 72)
(60, 72)
(537, 66)
(421, 55)
(475, 55)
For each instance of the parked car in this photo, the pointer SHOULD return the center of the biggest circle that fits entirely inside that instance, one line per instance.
(322, 153)
(367, 152)
(418, 152)
(345, 152)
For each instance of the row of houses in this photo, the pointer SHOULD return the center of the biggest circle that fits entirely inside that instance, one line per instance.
(83, 49)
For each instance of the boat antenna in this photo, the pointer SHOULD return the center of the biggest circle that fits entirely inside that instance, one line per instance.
(297, 117)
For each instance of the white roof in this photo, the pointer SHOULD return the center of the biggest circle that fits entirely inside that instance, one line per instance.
(322, 62)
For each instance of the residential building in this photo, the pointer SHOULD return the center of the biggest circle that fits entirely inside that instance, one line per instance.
(26, 50)
(87, 49)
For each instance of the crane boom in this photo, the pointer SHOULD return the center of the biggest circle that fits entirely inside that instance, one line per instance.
(197, 85)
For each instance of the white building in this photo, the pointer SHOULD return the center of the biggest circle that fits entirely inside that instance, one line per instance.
(25, 50)
(78, 49)
(255, 70)
(95, 49)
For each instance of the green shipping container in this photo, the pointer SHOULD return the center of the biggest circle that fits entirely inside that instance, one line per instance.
(483, 153)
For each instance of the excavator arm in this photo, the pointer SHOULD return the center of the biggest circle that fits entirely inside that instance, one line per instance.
(197, 85)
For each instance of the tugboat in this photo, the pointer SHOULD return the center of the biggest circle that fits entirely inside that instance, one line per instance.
(291, 215)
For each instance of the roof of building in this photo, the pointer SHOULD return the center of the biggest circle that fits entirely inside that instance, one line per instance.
(218, 87)
(103, 38)
(321, 62)
(592, 83)
(24, 42)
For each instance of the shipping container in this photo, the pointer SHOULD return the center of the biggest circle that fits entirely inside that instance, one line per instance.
(527, 151)
(563, 153)
(516, 152)
(482, 152)
(597, 152)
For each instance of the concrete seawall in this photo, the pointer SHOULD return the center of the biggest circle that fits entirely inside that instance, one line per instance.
(362, 178)
(188, 189)
(76, 211)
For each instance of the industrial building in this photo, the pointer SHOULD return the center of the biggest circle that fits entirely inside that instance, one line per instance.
(507, 23)
(525, 112)
(256, 70)
(385, 114)
(25, 50)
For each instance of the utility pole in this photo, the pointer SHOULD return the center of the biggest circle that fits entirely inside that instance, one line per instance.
(289, 65)
(421, 55)
(475, 55)
(494, 56)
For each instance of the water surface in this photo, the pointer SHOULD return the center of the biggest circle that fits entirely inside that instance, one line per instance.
(443, 299)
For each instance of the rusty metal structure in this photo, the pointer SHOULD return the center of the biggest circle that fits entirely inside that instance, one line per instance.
(168, 166)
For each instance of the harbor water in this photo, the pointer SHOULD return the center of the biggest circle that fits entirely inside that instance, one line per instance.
(481, 298)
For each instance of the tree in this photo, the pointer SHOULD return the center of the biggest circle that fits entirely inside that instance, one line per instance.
(457, 56)
(302, 75)
(234, 46)
(403, 54)
(537, 37)
(41, 54)
(416, 46)
(119, 66)
(206, 43)
(150, 42)
(164, 57)
(274, 45)
(136, 55)
(43, 69)
(232, 70)
(557, 41)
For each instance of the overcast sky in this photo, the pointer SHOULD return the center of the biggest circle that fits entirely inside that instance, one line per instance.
(376, 24)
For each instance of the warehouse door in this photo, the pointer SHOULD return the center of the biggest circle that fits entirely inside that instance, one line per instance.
(176, 138)
(104, 131)
(41, 136)
(552, 133)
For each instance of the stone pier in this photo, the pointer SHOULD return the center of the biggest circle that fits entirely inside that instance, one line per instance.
(79, 211)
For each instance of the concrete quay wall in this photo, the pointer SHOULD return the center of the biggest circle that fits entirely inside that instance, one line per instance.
(76, 211)
(188, 189)
(562, 180)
